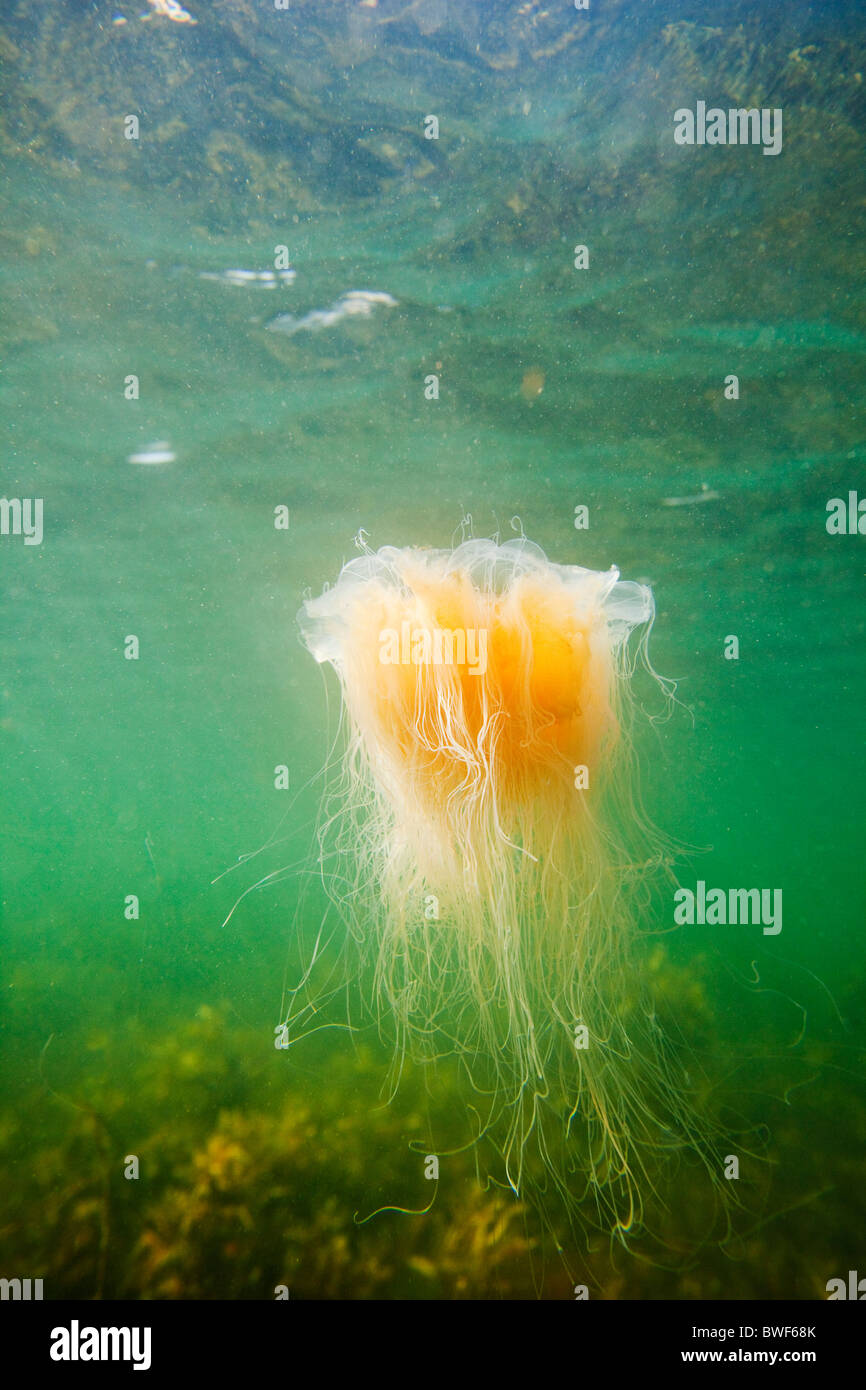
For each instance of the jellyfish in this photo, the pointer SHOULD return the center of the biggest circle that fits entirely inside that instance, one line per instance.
(498, 856)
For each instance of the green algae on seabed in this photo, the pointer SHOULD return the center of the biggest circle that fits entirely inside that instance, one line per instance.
(244, 1186)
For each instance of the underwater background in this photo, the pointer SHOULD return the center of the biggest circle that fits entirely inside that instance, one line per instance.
(559, 388)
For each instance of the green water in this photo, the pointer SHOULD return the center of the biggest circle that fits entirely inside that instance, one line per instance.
(153, 777)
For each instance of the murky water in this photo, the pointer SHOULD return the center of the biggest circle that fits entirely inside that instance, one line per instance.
(506, 382)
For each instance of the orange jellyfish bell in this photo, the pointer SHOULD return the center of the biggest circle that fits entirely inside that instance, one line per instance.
(488, 805)
(475, 680)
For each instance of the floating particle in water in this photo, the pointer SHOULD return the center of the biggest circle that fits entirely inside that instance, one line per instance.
(706, 494)
(532, 384)
(169, 9)
(353, 304)
(255, 279)
(158, 452)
